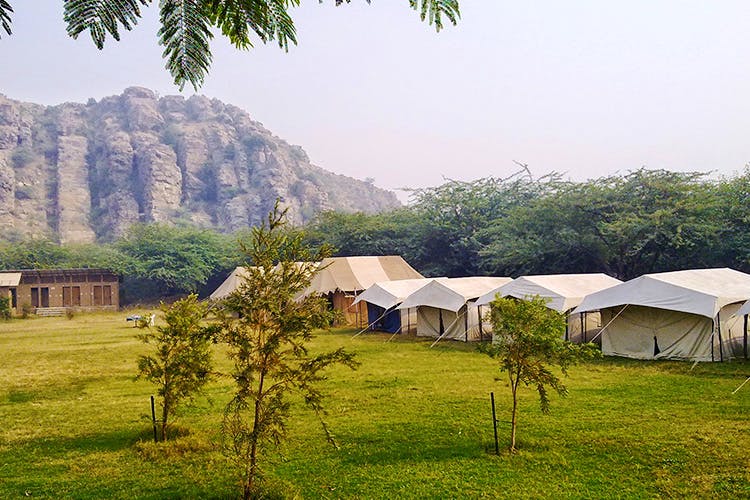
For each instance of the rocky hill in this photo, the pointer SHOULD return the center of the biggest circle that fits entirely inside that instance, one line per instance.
(85, 172)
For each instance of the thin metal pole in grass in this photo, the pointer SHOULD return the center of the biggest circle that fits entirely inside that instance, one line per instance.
(743, 383)
(153, 419)
(494, 422)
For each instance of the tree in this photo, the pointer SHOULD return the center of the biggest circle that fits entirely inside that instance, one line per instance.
(179, 259)
(186, 25)
(181, 365)
(267, 328)
(527, 338)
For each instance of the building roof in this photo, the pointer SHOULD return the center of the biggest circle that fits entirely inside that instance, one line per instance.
(10, 279)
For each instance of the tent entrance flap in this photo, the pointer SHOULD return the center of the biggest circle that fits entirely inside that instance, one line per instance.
(381, 320)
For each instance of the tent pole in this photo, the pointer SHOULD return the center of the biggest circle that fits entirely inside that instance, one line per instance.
(481, 331)
(369, 325)
(458, 316)
(718, 329)
(610, 322)
(744, 339)
(567, 325)
(583, 326)
(466, 324)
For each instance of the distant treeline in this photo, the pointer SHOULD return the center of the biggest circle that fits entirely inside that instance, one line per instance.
(624, 225)
(155, 260)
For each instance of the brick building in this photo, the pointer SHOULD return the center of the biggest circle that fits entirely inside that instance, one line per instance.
(45, 289)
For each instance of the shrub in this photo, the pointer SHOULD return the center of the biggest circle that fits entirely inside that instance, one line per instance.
(5, 311)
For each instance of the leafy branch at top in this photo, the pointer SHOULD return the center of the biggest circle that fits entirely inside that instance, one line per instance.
(186, 25)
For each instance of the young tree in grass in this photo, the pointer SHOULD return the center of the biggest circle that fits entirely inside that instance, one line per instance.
(267, 328)
(181, 365)
(528, 341)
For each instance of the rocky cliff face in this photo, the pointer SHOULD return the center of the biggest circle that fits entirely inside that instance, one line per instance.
(85, 172)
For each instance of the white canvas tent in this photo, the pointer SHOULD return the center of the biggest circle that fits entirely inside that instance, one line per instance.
(742, 345)
(230, 284)
(563, 292)
(386, 295)
(446, 309)
(687, 315)
(342, 279)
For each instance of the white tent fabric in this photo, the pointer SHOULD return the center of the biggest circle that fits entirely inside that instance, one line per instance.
(745, 309)
(562, 291)
(696, 291)
(446, 306)
(676, 315)
(351, 274)
(387, 294)
(452, 293)
(230, 284)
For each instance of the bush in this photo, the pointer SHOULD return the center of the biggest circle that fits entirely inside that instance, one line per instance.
(5, 312)
(26, 310)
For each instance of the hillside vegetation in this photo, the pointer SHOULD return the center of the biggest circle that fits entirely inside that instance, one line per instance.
(411, 422)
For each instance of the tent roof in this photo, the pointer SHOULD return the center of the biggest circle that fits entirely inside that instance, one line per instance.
(10, 279)
(452, 293)
(697, 291)
(230, 284)
(563, 291)
(351, 274)
(387, 294)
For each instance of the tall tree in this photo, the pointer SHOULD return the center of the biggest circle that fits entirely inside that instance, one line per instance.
(268, 328)
(186, 25)
(528, 340)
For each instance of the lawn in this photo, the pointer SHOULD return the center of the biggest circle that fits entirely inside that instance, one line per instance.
(410, 422)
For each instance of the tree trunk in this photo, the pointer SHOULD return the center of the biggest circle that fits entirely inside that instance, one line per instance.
(164, 418)
(252, 472)
(514, 389)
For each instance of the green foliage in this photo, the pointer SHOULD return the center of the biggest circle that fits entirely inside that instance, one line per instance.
(181, 365)
(527, 339)
(625, 225)
(26, 310)
(37, 253)
(179, 259)
(186, 25)
(5, 311)
(267, 328)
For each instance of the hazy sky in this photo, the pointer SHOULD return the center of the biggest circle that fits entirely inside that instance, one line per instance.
(587, 88)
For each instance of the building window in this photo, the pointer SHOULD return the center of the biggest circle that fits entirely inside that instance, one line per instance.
(40, 296)
(71, 296)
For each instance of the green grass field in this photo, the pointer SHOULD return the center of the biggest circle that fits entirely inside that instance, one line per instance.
(411, 422)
